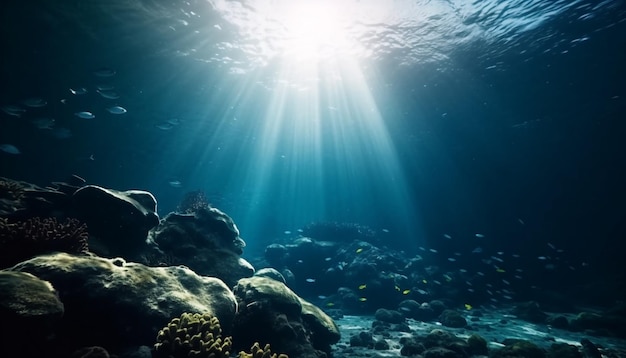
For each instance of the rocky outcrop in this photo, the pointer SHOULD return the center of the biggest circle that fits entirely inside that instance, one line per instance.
(291, 325)
(206, 240)
(104, 297)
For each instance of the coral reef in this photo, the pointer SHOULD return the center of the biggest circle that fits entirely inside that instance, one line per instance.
(192, 202)
(22, 240)
(257, 352)
(192, 335)
(207, 241)
(111, 295)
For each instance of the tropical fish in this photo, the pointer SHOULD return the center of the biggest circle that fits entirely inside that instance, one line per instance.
(12, 110)
(9, 148)
(61, 133)
(78, 91)
(104, 72)
(105, 87)
(479, 235)
(468, 306)
(359, 250)
(164, 126)
(447, 236)
(310, 280)
(85, 115)
(43, 123)
(34, 102)
(175, 183)
(108, 94)
(116, 110)
(363, 299)
(406, 292)
(362, 287)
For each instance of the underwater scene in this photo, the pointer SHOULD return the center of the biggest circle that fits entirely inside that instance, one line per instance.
(313, 178)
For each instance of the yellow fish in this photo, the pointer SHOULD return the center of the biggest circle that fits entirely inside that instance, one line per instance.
(330, 304)
(500, 270)
(362, 287)
(362, 299)
(359, 250)
(468, 306)
(406, 292)
(424, 281)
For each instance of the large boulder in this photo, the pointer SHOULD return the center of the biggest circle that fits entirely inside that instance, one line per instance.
(118, 221)
(290, 324)
(104, 298)
(29, 309)
(206, 240)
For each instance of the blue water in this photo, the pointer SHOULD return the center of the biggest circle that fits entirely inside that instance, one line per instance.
(418, 119)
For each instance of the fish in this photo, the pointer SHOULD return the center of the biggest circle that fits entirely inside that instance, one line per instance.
(12, 110)
(108, 94)
(43, 123)
(467, 306)
(359, 250)
(104, 72)
(310, 280)
(61, 133)
(406, 292)
(500, 270)
(105, 87)
(78, 91)
(287, 232)
(164, 126)
(479, 235)
(116, 110)
(85, 115)
(477, 250)
(362, 287)
(363, 299)
(451, 259)
(9, 149)
(433, 251)
(447, 236)
(330, 304)
(34, 102)
(175, 183)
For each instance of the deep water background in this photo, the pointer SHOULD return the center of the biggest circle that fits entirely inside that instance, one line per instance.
(517, 134)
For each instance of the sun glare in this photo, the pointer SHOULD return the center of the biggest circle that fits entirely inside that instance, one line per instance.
(313, 29)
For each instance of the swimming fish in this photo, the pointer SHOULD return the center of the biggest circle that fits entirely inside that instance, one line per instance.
(34, 102)
(362, 287)
(9, 148)
(12, 110)
(78, 91)
(359, 250)
(85, 115)
(104, 72)
(108, 94)
(116, 110)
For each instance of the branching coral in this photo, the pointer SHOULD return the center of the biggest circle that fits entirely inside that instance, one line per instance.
(192, 335)
(257, 352)
(22, 240)
(10, 189)
(192, 202)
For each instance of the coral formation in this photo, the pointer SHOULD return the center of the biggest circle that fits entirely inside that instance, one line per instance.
(10, 189)
(192, 335)
(192, 202)
(22, 240)
(257, 352)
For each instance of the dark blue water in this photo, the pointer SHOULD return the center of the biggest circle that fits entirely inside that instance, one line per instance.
(417, 119)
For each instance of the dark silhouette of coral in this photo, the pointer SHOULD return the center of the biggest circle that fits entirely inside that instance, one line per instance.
(22, 240)
(192, 202)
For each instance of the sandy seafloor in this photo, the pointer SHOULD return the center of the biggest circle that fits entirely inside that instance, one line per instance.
(494, 325)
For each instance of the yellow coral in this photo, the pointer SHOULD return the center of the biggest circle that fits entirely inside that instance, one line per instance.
(257, 352)
(192, 335)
